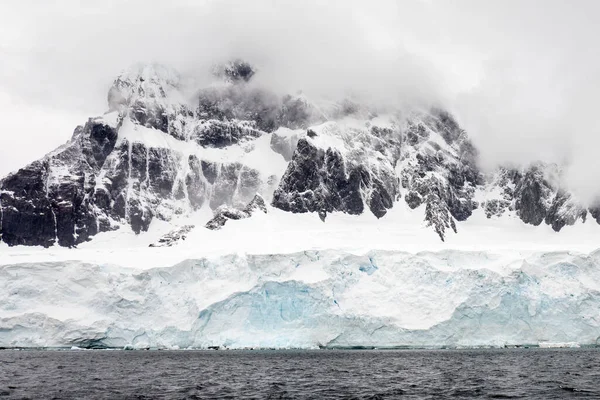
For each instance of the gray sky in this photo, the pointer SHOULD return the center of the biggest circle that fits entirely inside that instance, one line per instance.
(522, 76)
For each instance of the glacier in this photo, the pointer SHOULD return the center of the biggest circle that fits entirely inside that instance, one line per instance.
(308, 299)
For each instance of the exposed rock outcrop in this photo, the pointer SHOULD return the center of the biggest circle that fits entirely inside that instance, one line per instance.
(173, 237)
(224, 213)
(535, 194)
(438, 169)
(341, 169)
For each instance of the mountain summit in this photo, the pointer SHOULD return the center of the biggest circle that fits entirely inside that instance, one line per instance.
(156, 155)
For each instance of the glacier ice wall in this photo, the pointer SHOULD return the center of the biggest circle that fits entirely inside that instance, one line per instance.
(307, 299)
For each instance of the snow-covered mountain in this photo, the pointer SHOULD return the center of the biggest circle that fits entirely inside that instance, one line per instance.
(234, 216)
(156, 155)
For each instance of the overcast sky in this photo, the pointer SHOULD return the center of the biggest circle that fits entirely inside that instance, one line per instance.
(522, 76)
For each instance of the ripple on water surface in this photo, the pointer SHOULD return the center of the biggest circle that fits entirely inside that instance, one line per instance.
(326, 374)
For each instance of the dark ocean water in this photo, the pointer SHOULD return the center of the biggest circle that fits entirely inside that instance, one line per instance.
(325, 374)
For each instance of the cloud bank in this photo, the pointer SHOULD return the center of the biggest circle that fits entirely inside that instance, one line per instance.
(521, 76)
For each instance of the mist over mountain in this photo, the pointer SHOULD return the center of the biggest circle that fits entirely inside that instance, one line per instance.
(167, 148)
(520, 81)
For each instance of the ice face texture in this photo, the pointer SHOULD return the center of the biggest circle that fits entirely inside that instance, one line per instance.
(307, 300)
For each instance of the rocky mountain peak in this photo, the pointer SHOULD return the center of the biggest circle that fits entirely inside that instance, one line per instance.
(236, 148)
(535, 194)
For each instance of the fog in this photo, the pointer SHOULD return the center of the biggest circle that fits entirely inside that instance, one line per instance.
(520, 76)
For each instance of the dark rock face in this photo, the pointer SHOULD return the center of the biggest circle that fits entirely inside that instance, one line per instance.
(222, 134)
(437, 168)
(531, 194)
(26, 221)
(441, 175)
(534, 197)
(256, 204)
(495, 207)
(325, 180)
(564, 212)
(595, 213)
(173, 237)
(224, 213)
(50, 201)
(413, 199)
(100, 180)
(103, 179)
(101, 144)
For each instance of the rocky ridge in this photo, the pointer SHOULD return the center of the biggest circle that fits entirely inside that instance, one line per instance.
(156, 154)
(224, 213)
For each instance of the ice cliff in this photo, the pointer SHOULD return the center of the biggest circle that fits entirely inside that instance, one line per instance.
(307, 300)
